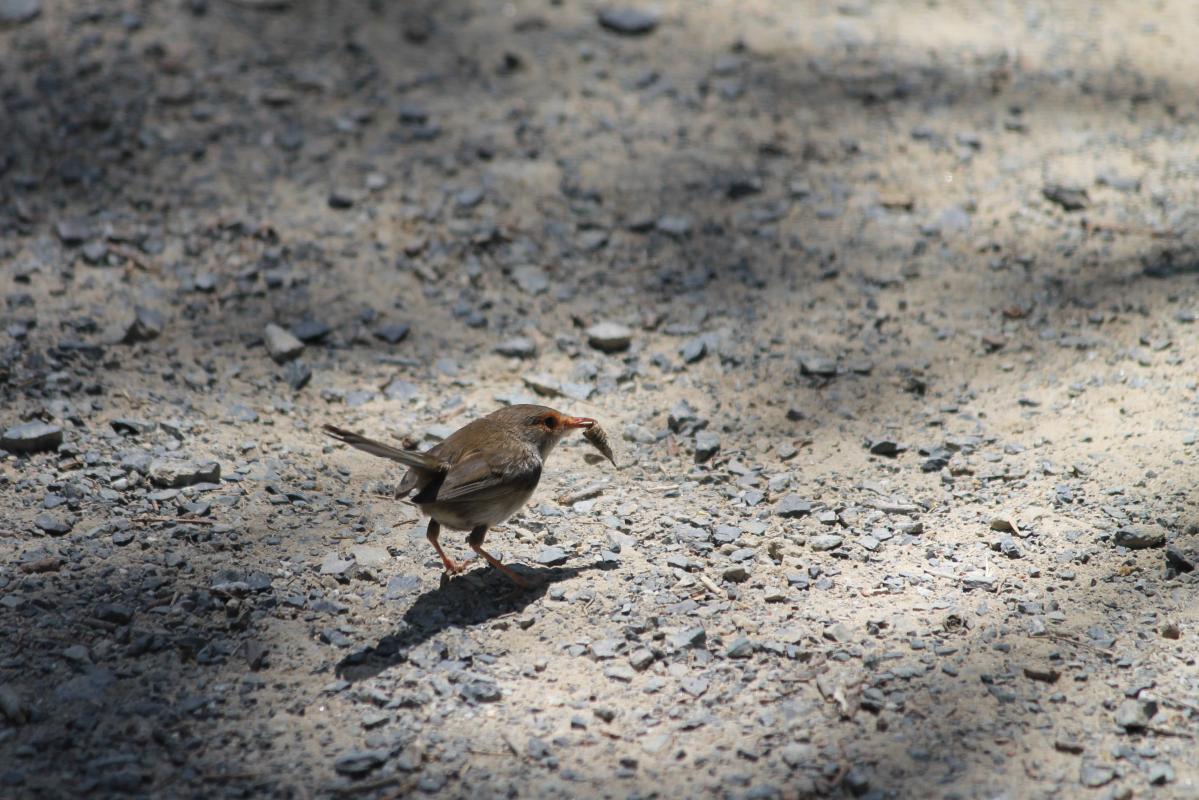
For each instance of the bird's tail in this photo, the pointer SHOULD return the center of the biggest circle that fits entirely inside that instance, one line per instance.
(409, 458)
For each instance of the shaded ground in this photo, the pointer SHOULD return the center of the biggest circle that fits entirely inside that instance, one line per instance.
(927, 273)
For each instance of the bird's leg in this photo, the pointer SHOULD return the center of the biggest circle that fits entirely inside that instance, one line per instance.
(451, 566)
(476, 543)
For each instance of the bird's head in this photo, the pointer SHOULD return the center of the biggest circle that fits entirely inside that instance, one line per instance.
(541, 426)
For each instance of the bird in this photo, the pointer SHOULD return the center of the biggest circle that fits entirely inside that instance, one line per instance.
(478, 476)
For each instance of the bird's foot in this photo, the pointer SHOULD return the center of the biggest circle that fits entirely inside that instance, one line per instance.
(454, 567)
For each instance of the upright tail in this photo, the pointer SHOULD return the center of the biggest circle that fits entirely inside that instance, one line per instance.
(409, 458)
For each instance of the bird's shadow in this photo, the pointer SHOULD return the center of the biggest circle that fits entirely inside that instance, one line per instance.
(462, 602)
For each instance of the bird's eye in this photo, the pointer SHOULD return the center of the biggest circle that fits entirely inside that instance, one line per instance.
(550, 422)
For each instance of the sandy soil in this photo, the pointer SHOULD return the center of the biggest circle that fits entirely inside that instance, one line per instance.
(905, 423)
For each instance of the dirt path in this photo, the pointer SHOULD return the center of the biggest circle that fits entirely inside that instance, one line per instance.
(905, 412)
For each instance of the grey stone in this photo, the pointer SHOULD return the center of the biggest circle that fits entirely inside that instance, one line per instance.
(31, 437)
(281, 345)
(1134, 715)
(333, 564)
(825, 541)
(707, 444)
(1095, 775)
(531, 279)
(819, 365)
(357, 763)
(740, 647)
(15, 12)
(1070, 198)
(147, 325)
(310, 330)
(609, 337)
(628, 21)
(517, 347)
(675, 225)
(693, 636)
(176, 473)
(792, 505)
(393, 333)
(53, 525)
(370, 556)
(551, 556)
(693, 350)
(1140, 537)
(297, 374)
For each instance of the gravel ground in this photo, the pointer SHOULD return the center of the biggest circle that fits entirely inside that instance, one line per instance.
(887, 308)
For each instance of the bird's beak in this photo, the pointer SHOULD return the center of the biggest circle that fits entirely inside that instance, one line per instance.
(579, 422)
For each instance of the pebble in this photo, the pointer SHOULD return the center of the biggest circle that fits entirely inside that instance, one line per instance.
(53, 524)
(551, 556)
(147, 325)
(176, 473)
(31, 437)
(825, 541)
(357, 763)
(627, 21)
(609, 337)
(1139, 537)
(707, 444)
(517, 347)
(310, 330)
(393, 333)
(1070, 198)
(281, 345)
(297, 374)
(674, 225)
(1095, 775)
(15, 12)
(793, 506)
(531, 279)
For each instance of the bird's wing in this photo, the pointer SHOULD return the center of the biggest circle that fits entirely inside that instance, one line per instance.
(409, 458)
(479, 478)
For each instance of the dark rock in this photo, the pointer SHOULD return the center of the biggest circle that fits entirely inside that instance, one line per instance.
(70, 232)
(1070, 198)
(133, 427)
(885, 447)
(356, 763)
(31, 437)
(1182, 558)
(147, 325)
(393, 333)
(297, 374)
(53, 525)
(1140, 537)
(310, 330)
(707, 444)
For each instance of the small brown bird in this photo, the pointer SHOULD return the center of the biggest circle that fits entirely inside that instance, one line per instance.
(479, 475)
